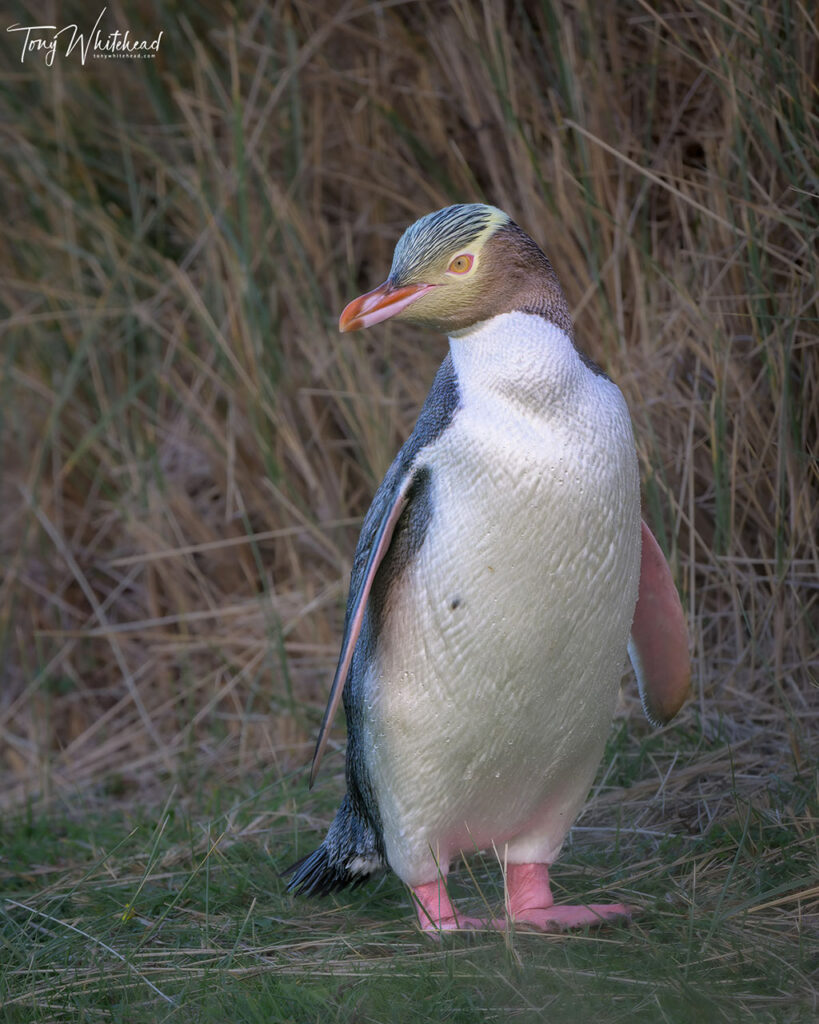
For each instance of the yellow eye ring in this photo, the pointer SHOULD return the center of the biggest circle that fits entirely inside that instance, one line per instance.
(461, 264)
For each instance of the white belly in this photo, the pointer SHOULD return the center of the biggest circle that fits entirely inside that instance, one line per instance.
(492, 692)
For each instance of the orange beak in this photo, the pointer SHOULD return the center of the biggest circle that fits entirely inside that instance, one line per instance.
(379, 304)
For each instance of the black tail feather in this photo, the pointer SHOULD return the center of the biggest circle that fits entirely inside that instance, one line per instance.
(317, 875)
(350, 855)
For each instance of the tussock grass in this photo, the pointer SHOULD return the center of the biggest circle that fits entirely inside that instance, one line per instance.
(189, 446)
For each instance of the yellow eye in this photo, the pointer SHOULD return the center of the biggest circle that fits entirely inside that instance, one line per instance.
(461, 264)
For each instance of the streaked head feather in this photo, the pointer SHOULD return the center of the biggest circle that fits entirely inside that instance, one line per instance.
(440, 234)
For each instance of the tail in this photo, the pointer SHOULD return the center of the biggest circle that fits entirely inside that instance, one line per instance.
(351, 854)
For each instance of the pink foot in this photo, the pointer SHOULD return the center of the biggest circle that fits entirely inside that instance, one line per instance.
(435, 910)
(529, 901)
(558, 919)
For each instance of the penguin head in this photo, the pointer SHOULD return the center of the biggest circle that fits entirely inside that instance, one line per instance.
(457, 267)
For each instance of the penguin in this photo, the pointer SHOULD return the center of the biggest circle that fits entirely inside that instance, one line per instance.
(502, 574)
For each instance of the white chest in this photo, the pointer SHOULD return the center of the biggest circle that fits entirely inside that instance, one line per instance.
(498, 665)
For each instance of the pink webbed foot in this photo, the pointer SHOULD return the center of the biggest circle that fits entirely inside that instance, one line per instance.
(530, 902)
(558, 919)
(436, 913)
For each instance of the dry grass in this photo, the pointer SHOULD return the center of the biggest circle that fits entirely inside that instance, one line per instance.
(189, 445)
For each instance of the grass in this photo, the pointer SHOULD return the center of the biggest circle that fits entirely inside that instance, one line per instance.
(183, 916)
(189, 446)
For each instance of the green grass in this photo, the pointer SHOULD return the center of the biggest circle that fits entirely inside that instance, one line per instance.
(188, 447)
(131, 913)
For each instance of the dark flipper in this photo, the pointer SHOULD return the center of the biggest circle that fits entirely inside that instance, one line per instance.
(393, 530)
(389, 503)
(356, 616)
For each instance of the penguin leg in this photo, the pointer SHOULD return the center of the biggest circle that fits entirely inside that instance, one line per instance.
(529, 900)
(435, 910)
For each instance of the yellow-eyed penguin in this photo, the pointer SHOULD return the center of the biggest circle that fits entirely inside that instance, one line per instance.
(494, 588)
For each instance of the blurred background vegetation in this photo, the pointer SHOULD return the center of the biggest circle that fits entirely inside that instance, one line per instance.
(188, 445)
